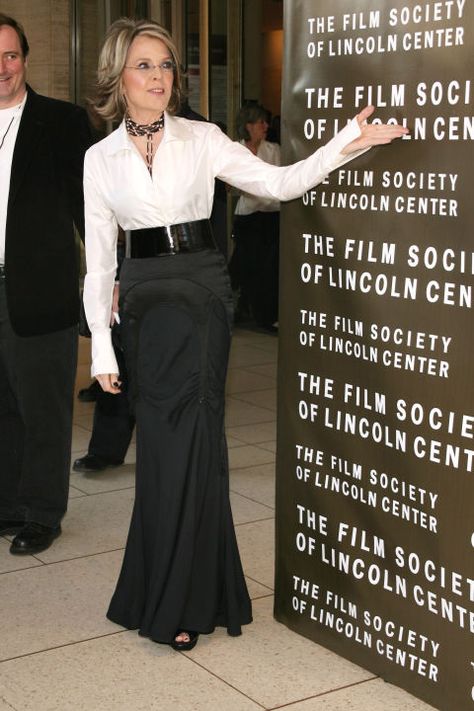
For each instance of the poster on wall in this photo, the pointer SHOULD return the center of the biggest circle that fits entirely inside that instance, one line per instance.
(375, 461)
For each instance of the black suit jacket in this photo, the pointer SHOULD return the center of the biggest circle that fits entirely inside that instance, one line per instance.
(45, 199)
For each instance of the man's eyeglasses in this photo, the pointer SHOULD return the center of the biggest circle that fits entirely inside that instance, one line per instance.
(146, 68)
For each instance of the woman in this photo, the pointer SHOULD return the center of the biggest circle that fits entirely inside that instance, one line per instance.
(154, 177)
(254, 263)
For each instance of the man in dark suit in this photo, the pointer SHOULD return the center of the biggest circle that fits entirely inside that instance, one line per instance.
(42, 146)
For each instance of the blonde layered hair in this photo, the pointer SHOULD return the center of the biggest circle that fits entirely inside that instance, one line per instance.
(109, 101)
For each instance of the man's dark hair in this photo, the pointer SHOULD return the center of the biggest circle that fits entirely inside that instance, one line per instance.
(10, 22)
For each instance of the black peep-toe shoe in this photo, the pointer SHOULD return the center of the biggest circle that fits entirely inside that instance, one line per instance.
(185, 646)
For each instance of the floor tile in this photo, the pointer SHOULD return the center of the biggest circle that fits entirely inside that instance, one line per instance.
(83, 408)
(267, 343)
(253, 434)
(259, 340)
(84, 350)
(83, 375)
(257, 483)
(9, 562)
(369, 696)
(84, 420)
(241, 380)
(273, 665)
(246, 511)
(249, 455)
(243, 413)
(131, 456)
(261, 398)
(269, 369)
(111, 479)
(232, 442)
(257, 590)
(270, 446)
(242, 356)
(59, 604)
(256, 545)
(93, 524)
(122, 672)
(80, 438)
(75, 493)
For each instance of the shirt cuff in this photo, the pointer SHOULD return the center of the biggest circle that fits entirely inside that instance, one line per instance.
(348, 134)
(103, 356)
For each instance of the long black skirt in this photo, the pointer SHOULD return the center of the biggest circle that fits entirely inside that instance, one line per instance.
(181, 568)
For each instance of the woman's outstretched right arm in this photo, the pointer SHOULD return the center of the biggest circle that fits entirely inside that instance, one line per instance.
(239, 167)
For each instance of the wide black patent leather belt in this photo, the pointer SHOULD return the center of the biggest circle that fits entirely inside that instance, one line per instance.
(172, 239)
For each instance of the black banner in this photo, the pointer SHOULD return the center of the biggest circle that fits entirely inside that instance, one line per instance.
(375, 463)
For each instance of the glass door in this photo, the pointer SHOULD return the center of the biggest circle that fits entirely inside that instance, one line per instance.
(211, 56)
(89, 21)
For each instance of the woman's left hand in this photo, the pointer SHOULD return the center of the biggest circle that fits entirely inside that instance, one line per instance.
(373, 134)
(109, 382)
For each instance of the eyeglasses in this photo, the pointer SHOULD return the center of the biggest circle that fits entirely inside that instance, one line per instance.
(166, 66)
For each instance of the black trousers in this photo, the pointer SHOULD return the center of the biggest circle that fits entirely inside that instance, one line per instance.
(36, 401)
(254, 263)
(113, 420)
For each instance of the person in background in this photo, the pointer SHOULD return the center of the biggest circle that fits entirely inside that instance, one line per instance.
(42, 146)
(90, 393)
(274, 131)
(254, 264)
(154, 175)
(113, 423)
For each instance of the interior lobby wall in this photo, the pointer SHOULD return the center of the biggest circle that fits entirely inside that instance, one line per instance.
(46, 24)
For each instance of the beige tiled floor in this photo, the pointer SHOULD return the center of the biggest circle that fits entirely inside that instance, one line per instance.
(58, 652)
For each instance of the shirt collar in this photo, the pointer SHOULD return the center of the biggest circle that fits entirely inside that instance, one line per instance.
(176, 129)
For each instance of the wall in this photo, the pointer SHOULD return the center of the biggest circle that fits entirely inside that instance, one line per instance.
(91, 22)
(272, 54)
(262, 52)
(46, 25)
(252, 50)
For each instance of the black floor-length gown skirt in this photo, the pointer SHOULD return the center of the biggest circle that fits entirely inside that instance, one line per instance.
(181, 568)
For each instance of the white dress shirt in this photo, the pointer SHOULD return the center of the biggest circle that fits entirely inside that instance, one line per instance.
(118, 190)
(247, 203)
(9, 124)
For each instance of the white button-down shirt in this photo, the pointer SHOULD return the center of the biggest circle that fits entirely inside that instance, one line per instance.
(118, 190)
(247, 203)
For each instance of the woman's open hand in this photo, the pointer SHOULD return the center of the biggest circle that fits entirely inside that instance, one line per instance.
(373, 134)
